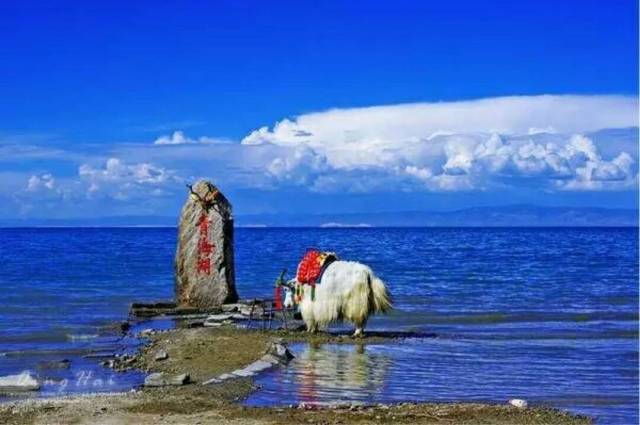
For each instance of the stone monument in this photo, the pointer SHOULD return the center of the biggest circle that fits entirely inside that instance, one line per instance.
(204, 266)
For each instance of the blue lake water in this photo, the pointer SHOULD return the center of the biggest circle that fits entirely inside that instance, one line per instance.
(549, 315)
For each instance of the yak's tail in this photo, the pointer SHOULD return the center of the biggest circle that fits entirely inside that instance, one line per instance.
(380, 297)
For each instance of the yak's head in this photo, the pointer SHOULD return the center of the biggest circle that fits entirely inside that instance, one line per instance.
(289, 289)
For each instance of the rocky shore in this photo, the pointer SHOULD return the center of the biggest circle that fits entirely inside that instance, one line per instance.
(198, 374)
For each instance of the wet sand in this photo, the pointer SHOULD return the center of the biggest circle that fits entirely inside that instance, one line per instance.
(205, 353)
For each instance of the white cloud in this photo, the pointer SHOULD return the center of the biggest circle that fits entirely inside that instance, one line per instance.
(44, 181)
(179, 138)
(373, 126)
(549, 144)
(121, 181)
(464, 145)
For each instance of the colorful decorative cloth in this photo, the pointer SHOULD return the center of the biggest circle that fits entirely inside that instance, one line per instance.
(310, 270)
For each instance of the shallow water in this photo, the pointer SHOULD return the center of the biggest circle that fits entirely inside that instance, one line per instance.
(549, 315)
(450, 369)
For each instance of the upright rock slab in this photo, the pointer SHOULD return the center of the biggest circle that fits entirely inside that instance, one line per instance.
(204, 264)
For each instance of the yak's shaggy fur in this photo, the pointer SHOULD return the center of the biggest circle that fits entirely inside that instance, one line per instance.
(347, 291)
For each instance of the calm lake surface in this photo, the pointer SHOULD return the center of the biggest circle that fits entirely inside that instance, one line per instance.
(549, 315)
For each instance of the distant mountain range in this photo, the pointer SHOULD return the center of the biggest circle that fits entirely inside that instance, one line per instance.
(511, 216)
(517, 215)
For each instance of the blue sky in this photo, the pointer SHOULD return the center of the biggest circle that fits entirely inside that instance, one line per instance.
(112, 107)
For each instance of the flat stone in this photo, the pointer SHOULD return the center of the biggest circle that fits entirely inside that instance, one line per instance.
(161, 379)
(254, 368)
(259, 366)
(161, 355)
(151, 309)
(243, 373)
(217, 318)
(18, 383)
(221, 378)
(99, 355)
(226, 376)
(55, 364)
(212, 324)
(278, 353)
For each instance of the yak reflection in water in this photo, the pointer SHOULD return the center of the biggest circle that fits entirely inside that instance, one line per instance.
(330, 372)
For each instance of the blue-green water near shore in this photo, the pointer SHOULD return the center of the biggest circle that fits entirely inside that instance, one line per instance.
(549, 315)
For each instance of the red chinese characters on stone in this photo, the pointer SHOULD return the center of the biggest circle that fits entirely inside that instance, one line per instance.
(204, 265)
(205, 248)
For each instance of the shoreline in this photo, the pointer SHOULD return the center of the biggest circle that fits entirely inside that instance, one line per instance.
(208, 352)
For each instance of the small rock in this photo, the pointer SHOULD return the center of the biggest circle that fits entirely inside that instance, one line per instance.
(161, 355)
(231, 308)
(193, 324)
(161, 379)
(146, 333)
(55, 364)
(280, 352)
(18, 383)
(519, 403)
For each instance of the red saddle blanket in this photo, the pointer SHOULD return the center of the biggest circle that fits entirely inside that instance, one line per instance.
(312, 265)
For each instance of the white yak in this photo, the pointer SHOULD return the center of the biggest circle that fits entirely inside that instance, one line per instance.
(347, 290)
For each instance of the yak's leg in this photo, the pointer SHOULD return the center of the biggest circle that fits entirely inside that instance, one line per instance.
(312, 327)
(359, 333)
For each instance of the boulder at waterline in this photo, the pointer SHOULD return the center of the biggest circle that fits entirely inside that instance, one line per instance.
(18, 383)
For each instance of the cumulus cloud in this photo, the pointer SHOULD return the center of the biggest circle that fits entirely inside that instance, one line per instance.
(42, 182)
(544, 144)
(465, 145)
(179, 138)
(120, 180)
